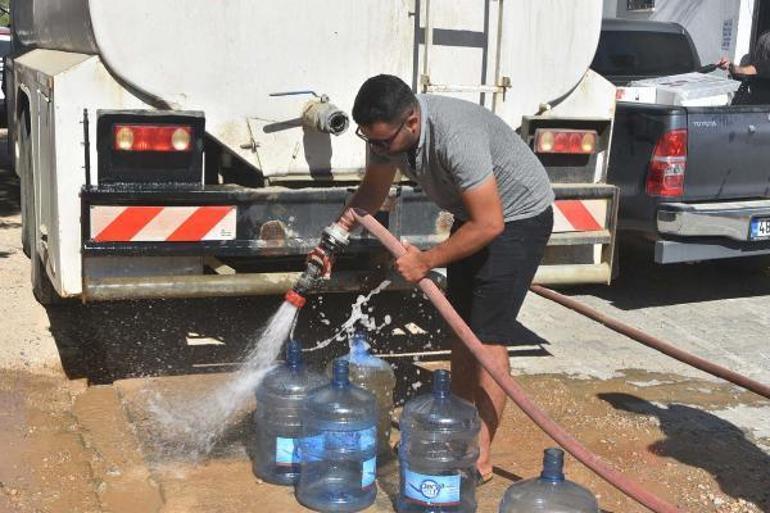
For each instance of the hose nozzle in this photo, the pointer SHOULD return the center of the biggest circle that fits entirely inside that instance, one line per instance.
(334, 239)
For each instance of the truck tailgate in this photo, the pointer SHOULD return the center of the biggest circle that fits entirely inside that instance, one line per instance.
(728, 153)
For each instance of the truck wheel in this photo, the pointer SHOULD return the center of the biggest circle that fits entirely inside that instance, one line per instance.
(41, 285)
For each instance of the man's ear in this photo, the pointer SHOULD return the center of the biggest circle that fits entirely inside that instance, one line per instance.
(413, 122)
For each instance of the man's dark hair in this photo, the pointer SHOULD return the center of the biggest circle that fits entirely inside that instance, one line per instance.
(383, 98)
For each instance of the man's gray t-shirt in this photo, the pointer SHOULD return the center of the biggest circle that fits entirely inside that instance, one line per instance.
(461, 145)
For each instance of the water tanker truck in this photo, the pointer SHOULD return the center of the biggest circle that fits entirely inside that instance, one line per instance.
(184, 148)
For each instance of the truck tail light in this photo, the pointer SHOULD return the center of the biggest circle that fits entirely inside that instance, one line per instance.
(665, 177)
(580, 142)
(156, 138)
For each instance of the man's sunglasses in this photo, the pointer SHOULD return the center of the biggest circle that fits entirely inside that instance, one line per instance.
(382, 143)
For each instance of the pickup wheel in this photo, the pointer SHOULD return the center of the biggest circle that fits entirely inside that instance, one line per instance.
(42, 288)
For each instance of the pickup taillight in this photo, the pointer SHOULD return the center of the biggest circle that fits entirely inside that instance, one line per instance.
(665, 177)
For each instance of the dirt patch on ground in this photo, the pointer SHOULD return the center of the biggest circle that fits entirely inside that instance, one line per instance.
(661, 431)
(45, 465)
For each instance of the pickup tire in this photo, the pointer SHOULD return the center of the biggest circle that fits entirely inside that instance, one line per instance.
(42, 288)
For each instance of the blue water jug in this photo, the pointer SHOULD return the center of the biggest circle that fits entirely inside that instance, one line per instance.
(438, 452)
(549, 493)
(277, 422)
(338, 450)
(375, 375)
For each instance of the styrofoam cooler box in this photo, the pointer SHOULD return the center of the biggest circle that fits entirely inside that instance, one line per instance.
(691, 89)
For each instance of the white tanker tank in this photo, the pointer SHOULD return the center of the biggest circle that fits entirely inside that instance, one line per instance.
(228, 58)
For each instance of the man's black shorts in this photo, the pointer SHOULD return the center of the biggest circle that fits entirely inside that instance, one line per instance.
(488, 288)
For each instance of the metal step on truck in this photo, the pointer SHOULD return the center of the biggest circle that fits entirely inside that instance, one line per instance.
(180, 148)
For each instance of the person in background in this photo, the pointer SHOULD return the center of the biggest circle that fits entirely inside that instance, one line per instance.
(757, 64)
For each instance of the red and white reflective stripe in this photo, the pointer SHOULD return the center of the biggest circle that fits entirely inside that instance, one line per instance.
(162, 224)
(579, 215)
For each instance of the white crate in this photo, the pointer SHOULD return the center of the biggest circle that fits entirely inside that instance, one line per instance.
(691, 89)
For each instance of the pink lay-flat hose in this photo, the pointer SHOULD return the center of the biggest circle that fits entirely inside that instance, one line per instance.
(509, 384)
(655, 343)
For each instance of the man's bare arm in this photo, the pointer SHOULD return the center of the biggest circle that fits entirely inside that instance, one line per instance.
(485, 222)
(372, 192)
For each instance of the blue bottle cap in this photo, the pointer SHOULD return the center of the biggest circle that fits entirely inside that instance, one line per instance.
(441, 382)
(553, 465)
(341, 369)
(293, 354)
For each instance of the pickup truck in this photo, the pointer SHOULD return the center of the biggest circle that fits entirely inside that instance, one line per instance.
(694, 181)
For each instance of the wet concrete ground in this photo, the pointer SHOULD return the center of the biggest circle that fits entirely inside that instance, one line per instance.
(78, 432)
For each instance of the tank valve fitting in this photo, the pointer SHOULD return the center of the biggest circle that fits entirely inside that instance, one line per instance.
(319, 114)
(325, 117)
(334, 239)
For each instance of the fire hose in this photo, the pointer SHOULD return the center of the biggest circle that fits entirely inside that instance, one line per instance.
(511, 387)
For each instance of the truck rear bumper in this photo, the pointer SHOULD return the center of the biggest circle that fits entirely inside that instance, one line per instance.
(258, 244)
(709, 231)
(731, 220)
(271, 222)
(144, 243)
(700, 249)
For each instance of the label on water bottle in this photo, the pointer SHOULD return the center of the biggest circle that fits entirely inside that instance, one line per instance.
(369, 472)
(286, 451)
(363, 440)
(432, 490)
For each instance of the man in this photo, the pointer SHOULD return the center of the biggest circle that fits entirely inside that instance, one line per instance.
(469, 162)
(758, 62)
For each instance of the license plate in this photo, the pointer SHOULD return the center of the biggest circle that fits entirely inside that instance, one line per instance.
(760, 228)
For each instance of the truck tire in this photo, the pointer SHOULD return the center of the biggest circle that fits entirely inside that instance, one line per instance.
(41, 285)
